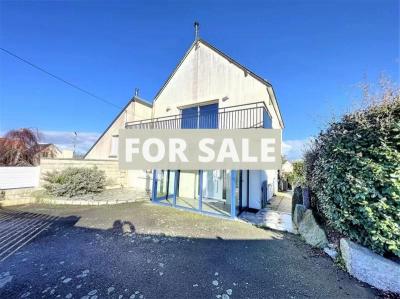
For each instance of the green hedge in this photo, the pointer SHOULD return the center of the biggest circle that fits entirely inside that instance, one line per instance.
(75, 181)
(353, 170)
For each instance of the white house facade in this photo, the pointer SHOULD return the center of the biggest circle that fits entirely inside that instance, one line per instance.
(207, 89)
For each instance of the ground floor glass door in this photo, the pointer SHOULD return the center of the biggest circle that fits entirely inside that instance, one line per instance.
(164, 184)
(216, 192)
(243, 191)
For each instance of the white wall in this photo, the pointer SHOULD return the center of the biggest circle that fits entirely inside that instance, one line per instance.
(256, 179)
(103, 148)
(19, 177)
(205, 75)
(140, 180)
(255, 190)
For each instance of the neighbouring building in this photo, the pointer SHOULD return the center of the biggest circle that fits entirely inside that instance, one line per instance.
(49, 150)
(283, 181)
(287, 167)
(208, 89)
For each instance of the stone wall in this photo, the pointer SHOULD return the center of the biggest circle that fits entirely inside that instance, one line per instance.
(20, 196)
(115, 176)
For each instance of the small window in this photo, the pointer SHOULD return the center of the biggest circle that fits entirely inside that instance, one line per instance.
(114, 146)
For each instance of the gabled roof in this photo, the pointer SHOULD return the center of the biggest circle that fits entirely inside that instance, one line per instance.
(270, 89)
(134, 99)
(141, 101)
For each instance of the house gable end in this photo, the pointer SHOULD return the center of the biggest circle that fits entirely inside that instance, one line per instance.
(206, 74)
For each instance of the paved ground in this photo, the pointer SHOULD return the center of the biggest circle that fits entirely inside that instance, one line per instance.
(282, 202)
(276, 215)
(140, 250)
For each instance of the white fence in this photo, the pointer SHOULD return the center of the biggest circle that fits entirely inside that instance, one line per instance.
(19, 177)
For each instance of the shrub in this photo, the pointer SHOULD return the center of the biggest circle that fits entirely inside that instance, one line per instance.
(296, 178)
(75, 181)
(353, 170)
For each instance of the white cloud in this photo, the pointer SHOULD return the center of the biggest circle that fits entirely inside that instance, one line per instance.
(294, 149)
(65, 140)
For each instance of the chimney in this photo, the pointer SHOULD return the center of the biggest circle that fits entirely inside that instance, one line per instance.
(196, 30)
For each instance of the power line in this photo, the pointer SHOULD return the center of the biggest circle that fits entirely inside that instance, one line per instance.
(60, 79)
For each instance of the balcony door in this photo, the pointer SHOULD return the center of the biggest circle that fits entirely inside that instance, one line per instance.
(201, 117)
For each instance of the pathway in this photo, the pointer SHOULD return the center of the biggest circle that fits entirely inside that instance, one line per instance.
(277, 214)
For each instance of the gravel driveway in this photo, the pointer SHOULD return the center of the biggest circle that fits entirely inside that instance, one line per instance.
(141, 250)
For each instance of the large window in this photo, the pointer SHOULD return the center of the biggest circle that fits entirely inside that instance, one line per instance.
(212, 191)
(267, 121)
(202, 117)
(216, 192)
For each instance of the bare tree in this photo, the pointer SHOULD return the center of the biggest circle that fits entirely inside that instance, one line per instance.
(19, 148)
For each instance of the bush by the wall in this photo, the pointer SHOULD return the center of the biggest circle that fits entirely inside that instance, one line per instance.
(296, 177)
(353, 170)
(75, 181)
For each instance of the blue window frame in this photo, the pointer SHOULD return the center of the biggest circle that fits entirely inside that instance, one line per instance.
(208, 116)
(166, 192)
(189, 118)
(267, 121)
(166, 183)
(201, 117)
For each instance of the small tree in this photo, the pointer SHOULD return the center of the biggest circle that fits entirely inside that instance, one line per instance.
(296, 178)
(19, 148)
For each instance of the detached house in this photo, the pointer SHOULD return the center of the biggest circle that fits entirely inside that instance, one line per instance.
(208, 89)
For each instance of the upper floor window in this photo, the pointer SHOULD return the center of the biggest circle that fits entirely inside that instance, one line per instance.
(202, 117)
(114, 146)
(267, 120)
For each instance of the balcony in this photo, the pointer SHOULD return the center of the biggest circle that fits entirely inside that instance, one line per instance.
(246, 116)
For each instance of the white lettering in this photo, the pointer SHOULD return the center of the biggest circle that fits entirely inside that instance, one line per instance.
(160, 150)
(267, 147)
(207, 150)
(130, 150)
(177, 146)
(227, 151)
(245, 152)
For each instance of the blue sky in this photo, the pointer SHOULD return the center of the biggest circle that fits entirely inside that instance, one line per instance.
(315, 53)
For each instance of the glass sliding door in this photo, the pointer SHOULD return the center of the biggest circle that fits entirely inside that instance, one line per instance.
(244, 177)
(208, 116)
(164, 185)
(216, 192)
(171, 184)
(201, 117)
(189, 118)
(187, 195)
(237, 189)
